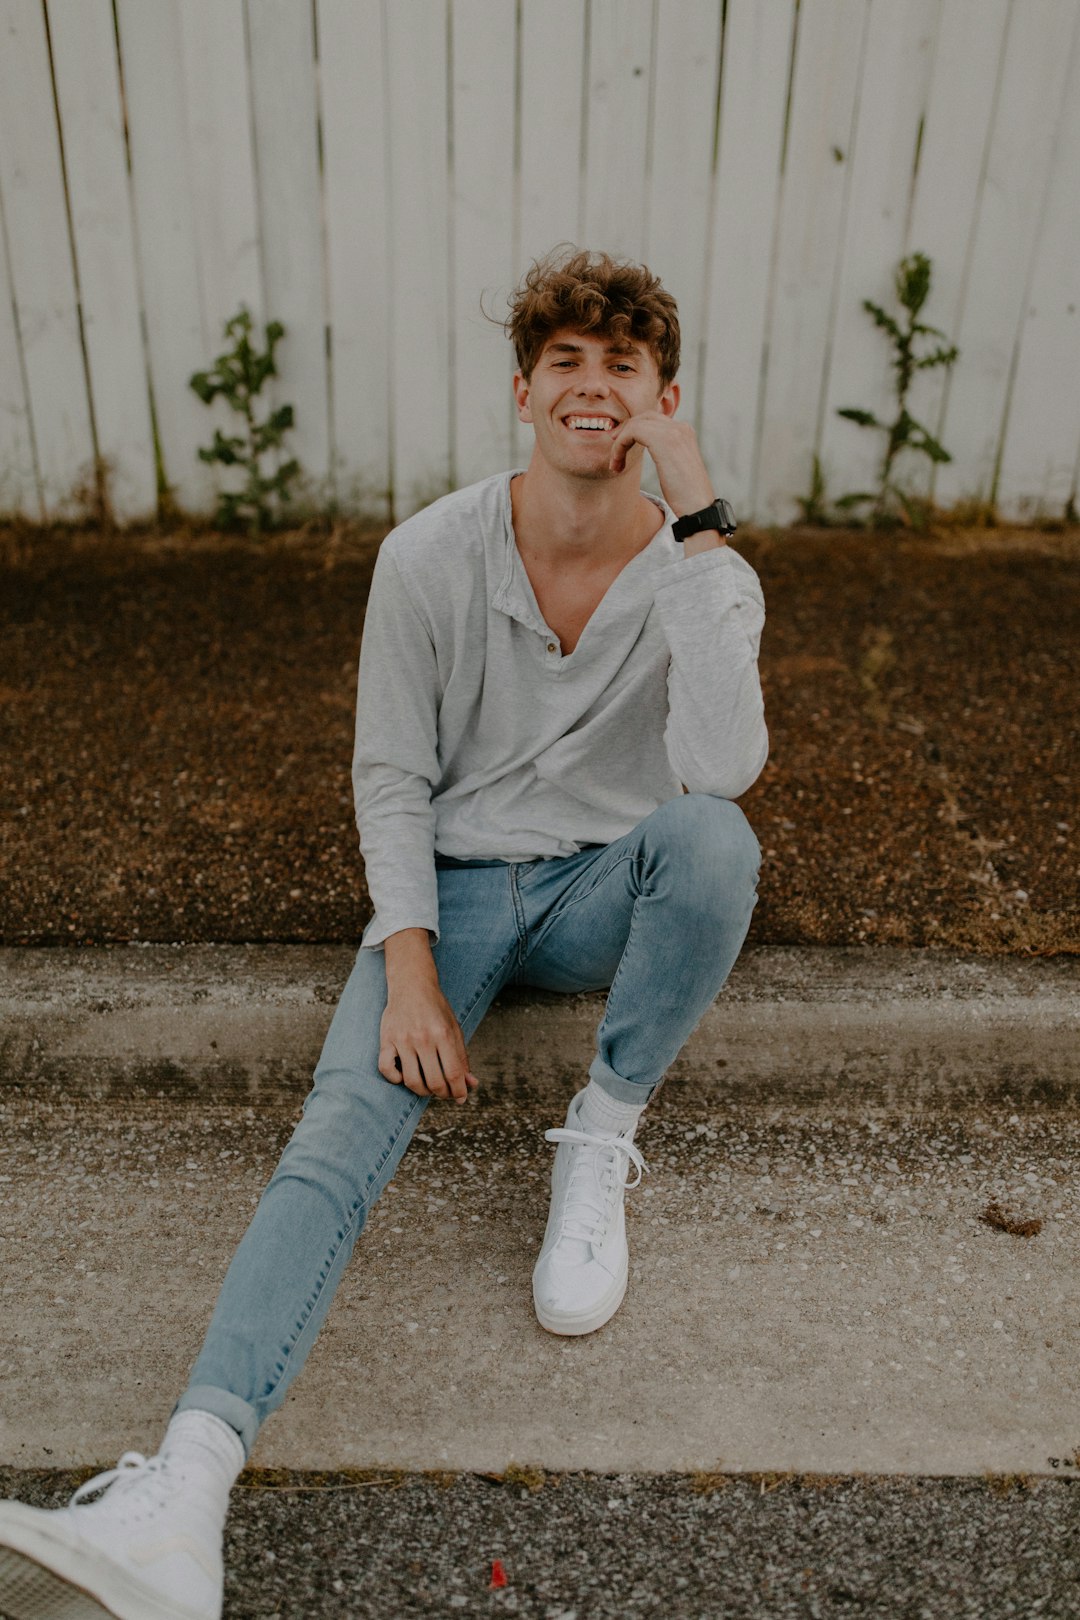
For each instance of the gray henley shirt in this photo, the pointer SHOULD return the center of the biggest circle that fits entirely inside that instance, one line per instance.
(478, 738)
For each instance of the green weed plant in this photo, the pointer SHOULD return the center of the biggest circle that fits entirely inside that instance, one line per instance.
(912, 283)
(240, 374)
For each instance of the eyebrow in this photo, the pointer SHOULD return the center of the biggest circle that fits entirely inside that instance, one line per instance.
(578, 348)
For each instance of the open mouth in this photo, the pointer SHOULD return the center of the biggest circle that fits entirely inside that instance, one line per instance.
(589, 424)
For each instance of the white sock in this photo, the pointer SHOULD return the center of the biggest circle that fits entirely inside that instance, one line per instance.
(205, 1446)
(604, 1115)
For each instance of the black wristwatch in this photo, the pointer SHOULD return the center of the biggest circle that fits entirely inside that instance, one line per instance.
(717, 516)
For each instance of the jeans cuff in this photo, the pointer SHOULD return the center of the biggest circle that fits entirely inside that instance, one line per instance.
(238, 1414)
(630, 1091)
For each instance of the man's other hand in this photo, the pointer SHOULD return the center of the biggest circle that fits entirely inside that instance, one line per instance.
(420, 1042)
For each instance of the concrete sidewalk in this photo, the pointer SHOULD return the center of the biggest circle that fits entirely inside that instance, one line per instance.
(812, 1286)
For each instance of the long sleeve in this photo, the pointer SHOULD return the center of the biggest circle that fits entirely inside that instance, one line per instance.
(395, 759)
(712, 610)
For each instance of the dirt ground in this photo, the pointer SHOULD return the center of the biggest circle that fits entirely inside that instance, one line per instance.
(177, 715)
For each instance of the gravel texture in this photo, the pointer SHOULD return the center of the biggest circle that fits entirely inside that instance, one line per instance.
(622, 1546)
(179, 709)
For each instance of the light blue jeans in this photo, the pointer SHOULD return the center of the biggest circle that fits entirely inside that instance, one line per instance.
(659, 915)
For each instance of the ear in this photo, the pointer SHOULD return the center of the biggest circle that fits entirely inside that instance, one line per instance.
(668, 402)
(521, 398)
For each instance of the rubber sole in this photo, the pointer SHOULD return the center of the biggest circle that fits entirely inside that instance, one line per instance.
(570, 1324)
(29, 1591)
(46, 1575)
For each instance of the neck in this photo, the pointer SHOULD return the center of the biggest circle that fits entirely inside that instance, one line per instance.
(581, 523)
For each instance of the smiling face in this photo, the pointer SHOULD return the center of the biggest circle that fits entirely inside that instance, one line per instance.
(582, 389)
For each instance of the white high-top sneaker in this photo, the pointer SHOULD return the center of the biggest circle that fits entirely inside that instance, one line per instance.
(580, 1278)
(150, 1548)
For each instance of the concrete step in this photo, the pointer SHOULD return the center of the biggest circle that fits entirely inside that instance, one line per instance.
(813, 1284)
(231, 1024)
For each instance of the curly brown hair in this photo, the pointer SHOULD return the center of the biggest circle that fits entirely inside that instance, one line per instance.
(592, 292)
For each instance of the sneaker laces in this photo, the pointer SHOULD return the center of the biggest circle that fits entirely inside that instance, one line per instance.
(133, 1467)
(595, 1179)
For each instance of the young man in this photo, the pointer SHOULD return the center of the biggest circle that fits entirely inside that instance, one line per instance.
(558, 702)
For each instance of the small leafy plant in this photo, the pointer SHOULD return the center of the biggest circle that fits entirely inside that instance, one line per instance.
(905, 433)
(239, 375)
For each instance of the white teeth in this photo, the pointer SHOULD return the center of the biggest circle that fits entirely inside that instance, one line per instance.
(600, 423)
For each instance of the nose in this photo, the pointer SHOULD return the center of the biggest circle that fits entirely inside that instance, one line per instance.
(593, 381)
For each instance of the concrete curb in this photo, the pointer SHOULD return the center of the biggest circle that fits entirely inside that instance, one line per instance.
(236, 1024)
(814, 1284)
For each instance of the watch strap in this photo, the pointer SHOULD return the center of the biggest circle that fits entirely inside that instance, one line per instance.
(717, 516)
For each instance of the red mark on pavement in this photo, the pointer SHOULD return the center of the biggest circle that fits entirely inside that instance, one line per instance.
(498, 1574)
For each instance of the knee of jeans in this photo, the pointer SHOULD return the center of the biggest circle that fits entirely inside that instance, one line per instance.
(712, 835)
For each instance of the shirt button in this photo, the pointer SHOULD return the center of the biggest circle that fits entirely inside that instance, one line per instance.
(551, 646)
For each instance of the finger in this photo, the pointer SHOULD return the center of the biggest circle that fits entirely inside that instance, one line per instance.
(619, 446)
(411, 1072)
(454, 1072)
(471, 1081)
(433, 1074)
(390, 1064)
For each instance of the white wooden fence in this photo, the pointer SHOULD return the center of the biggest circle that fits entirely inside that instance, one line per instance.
(365, 170)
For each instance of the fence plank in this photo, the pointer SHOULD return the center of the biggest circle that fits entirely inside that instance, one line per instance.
(217, 99)
(290, 215)
(483, 51)
(42, 271)
(686, 84)
(1038, 465)
(553, 60)
(815, 183)
(352, 75)
(617, 125)
(551, 132)
(757, 54)
(956, 130)
(895, 82)
(1017, 170)
(419, 205)
(165, 228)
(19, 493)
(218, 96)
(91, 117)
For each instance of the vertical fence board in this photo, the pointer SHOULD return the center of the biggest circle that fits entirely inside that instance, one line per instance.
(290, 213)
(217, 92)
(550, 117)
(42, 274)
(1039, 453)
(757, 53)
(686, 77)
(814, 186)
(892, 96)
(19, 493)
(217, 77)
(483, 51)
(91, 116)
(551, 133)
(617, 125)
(165, 229)
(419, 204)
(956, 132)
(352, 76)
(216, 87)
(1032, 84)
